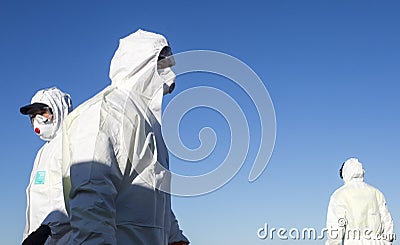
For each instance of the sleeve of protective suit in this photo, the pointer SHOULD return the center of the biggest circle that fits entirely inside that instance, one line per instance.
(57, 220)
(92, 206)
(386, 218)
(335, 223)
(92, 193)
(58, 223)
(176, 234)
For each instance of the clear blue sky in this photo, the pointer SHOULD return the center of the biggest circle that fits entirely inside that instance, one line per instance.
(331, 69)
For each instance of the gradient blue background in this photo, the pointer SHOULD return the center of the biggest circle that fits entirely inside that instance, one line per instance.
(331, 68)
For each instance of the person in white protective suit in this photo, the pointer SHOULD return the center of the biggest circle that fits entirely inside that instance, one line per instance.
(46, 217)
(357, 212)
(115, 155)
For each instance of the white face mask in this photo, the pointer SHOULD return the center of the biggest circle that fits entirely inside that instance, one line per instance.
(169, 79)
(43, 127)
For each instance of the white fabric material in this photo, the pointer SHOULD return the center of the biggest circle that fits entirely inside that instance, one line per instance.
(114, 155)
(45, 198)
(357, 212)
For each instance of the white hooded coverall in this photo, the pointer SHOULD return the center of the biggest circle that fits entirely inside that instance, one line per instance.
(115, 155)
(357, 212)
(45, 197)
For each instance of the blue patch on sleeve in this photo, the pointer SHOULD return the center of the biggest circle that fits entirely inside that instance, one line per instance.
(40, 177)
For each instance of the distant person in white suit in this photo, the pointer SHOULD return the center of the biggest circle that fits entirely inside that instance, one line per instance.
(357, 212)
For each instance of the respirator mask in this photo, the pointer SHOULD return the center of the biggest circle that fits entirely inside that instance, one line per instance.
(43, 127)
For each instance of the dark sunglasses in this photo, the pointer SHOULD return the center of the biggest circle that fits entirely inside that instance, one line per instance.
(39, 111)
(165, 58)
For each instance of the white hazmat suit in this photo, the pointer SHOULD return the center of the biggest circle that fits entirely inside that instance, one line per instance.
(115, 156)
(357, 212)
(45, 197)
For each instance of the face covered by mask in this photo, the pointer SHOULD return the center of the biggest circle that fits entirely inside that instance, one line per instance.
(43, 127)
(169, 79)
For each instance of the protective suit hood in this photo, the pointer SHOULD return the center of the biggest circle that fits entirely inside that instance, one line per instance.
(59, 102)
(352, 170)
(134, 69)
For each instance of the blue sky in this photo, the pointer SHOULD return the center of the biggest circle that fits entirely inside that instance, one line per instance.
(331, 69)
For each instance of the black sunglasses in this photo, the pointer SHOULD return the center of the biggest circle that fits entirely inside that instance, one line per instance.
(165, 58)
(39, 111)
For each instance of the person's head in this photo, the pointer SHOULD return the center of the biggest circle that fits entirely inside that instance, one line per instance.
(47, 110)
(141, 66)
(351, 169)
